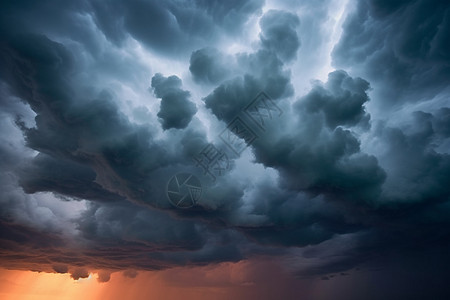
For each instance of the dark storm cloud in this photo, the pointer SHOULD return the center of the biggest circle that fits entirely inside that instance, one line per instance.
(315, 157)
(90, 131)
(176, 110)
(118, 237)
(402, 47)
(313, 146)
(151, 239)
(83, 136)
(334, 187)
(89, 149)
(53, 18)
(297, 219)
(323, 161)
(126, 223)
(417, 172)
(65, 177)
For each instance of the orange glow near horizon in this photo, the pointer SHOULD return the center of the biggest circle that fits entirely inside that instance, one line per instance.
(241, 280)
(28, 285)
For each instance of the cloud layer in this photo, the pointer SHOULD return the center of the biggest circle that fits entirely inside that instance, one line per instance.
(102, 103)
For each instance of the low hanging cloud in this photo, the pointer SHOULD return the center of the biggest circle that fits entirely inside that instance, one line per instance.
(351, 172)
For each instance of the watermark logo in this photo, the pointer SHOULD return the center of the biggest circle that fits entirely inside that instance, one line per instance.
(213, 161)
(262, 109)
(184, 190)
(238, 135)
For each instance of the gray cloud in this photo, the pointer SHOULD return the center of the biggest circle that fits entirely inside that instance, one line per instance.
(279, 33)
(172, 27)
(176, 109)
(416, 170)
(387, 42)
(65, 177)
(231, 14)
(209, 65)
(341, 100)
(261, 70)
(330, 185)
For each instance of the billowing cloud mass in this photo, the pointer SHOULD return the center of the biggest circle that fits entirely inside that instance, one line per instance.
(403, 46)
(176, 110)
(319, 133)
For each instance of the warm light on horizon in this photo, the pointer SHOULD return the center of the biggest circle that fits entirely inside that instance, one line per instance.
(30, 285)
(241, 280)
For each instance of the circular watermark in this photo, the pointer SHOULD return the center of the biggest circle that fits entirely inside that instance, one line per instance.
(184, 190)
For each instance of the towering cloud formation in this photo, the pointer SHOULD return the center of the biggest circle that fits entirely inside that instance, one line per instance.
(351, 172)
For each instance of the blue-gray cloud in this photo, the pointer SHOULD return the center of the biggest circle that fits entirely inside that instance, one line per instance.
(176, 109)
(331, 184)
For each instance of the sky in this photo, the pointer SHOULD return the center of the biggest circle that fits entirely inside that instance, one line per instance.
(254, 149)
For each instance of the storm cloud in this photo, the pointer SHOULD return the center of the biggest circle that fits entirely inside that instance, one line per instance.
(102, 103)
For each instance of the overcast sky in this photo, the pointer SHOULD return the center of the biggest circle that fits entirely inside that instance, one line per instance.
(342, 168)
